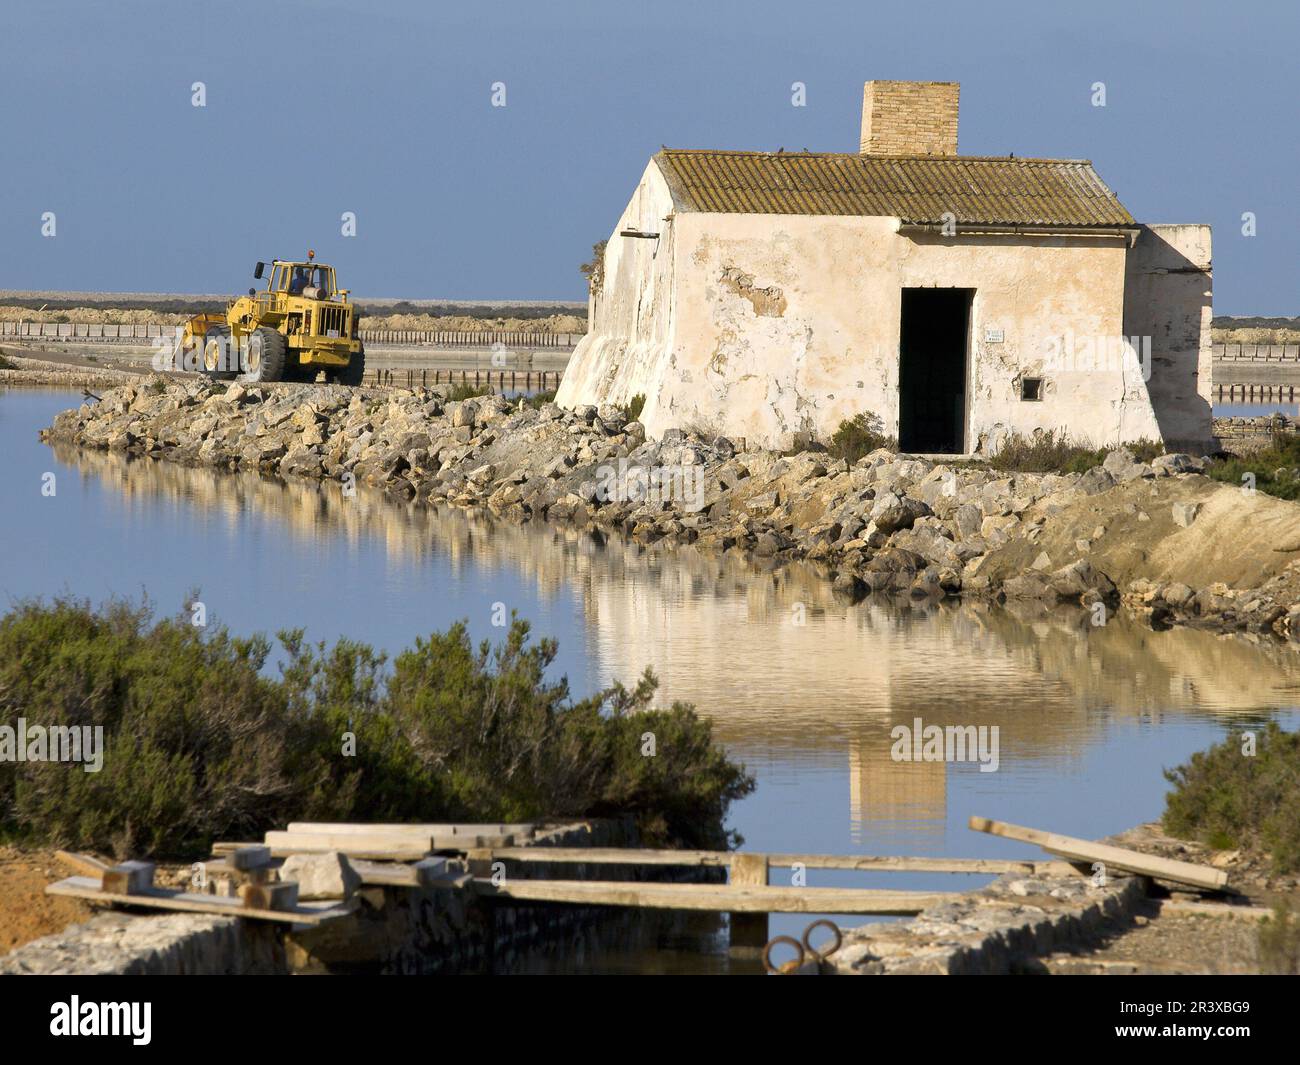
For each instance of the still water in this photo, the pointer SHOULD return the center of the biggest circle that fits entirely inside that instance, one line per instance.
(802, 688)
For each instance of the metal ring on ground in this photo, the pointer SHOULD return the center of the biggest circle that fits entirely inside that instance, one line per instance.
(788, 941)
(807, 933)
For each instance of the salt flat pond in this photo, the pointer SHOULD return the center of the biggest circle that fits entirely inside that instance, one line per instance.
(803, 688)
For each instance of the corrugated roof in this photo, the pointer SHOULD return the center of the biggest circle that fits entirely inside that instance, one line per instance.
(918, 189)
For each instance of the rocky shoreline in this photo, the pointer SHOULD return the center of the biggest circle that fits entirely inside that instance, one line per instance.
(1168, 543)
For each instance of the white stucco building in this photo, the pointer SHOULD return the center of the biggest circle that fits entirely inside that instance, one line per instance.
(771, 295)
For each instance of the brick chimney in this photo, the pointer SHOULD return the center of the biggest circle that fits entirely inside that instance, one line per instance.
(909, 118)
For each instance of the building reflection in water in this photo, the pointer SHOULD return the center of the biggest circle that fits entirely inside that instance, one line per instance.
(786, 672)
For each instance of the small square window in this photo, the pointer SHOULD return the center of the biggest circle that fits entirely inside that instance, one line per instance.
(1031, 389)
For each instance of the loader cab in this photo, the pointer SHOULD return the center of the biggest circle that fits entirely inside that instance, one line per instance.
(296, 279)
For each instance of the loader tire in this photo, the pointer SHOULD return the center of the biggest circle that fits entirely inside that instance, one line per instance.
(265, 358)
(355, 370)
(217, 358)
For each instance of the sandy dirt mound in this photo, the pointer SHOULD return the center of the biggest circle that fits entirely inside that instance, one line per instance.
(1238, 539)
(91, 315)
(26, 912)
(555, 323)
(1255, 335)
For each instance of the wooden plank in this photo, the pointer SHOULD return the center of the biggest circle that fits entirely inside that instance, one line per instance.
(245, 858)
(863, 862)
(614, 855)
(83, 863)
(397, 874)
(1118, 858)
(279, 896)
(748, 931)
(222, 867)
(443, 828)
(382, 854)
(377, 844)
(127, 878)
(393, 846)
(720, 897)
(84, 887)
(429, 870)
(406, 832)
(224, 847)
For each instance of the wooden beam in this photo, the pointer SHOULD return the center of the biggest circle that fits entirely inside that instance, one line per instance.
(83, 863)
(84, 887)
(1115, 858)
(720, 897)
(279, 896)
(361, 846)
(222, 848)
(747, 931)
(614, 856)
(721, 859)
(396, 874)
(245, 858)
(222, 867)
(442, 828)
(127, 878)
(377, 838)
(393, 846)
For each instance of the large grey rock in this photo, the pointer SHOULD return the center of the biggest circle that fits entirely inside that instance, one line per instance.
(1026, 586)
(1177, 463)
(1096, 480)
(1138, 471)
(968, 519)
(1118, 461)
(465, 414)
(1072, 581)
(1185, 513)
(891, 513)
(321, 876)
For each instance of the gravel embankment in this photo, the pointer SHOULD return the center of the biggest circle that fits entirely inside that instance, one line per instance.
(1175, 546)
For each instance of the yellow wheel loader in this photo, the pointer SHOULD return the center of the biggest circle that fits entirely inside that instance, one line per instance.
(301, 324)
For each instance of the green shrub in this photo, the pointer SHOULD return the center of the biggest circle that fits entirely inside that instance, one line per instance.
(860, 436)
(539, 399)
(1227, 798)
(1279, 942)
(1050, 451)
(1045, 452)
(464, 391)
(201, 744)
(594, 269)
(632, 412)
(1276, 471)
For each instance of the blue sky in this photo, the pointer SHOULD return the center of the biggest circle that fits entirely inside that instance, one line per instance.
(317, 107)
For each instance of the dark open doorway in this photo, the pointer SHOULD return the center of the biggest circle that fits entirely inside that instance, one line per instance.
(933, 342)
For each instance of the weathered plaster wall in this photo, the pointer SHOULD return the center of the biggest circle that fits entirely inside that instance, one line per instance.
(631, 316)
(766, 327)
(1168, 296)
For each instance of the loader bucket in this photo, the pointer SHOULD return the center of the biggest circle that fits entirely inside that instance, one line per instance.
(189, 347)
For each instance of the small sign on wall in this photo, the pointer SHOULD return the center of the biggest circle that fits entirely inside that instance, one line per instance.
(993, 336)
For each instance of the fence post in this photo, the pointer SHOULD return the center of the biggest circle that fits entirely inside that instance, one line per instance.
(748, 930)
